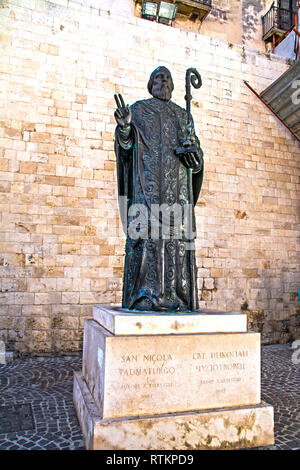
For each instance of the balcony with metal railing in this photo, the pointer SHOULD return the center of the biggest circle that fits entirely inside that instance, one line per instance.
(192, 9)
(276, 22)
(195, 3)
(195, 8)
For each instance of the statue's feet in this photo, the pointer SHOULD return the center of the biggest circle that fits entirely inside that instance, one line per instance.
(144, 304)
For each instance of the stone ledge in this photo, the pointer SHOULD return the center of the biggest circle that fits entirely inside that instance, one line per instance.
(223, 428)
(126, 322)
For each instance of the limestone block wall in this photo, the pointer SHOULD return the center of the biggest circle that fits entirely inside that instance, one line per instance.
(61, 242)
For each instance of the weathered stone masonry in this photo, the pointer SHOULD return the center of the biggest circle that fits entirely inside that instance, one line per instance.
(61, 249)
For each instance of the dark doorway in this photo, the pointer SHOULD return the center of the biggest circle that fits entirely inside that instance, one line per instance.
(287, 10)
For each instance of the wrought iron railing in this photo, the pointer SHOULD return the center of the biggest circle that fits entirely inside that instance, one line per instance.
(277, 18)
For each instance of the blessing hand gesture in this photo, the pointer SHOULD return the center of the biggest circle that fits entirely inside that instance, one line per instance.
(122, 114)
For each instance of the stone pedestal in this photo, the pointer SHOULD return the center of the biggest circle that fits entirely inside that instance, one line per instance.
(171, 381)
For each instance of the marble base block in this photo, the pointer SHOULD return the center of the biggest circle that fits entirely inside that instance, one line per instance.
(170, 381)
(227, 428)
(153, 374)
(128, 322)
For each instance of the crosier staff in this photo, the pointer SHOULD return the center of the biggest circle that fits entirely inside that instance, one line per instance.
(193, 77)
(188, 149)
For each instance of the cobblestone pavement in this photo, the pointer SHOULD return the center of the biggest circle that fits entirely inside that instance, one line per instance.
(47, 419)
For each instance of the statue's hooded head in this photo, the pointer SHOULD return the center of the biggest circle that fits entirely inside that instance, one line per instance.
(161, 84)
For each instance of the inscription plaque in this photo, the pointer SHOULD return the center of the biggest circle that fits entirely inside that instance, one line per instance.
(146, 375)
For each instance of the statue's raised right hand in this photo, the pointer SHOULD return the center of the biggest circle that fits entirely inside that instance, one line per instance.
(123, 114)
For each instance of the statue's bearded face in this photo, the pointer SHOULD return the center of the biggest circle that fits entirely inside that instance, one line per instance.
(162, 85)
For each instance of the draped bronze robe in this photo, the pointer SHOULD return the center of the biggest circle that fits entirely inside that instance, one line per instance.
(159, 273)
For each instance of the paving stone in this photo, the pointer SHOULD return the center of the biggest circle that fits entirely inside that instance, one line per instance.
(46, 383)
